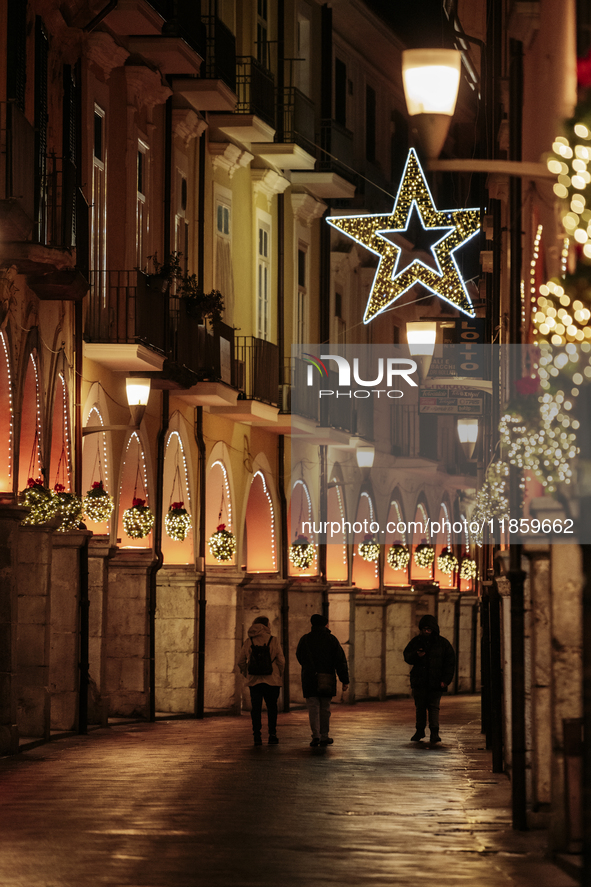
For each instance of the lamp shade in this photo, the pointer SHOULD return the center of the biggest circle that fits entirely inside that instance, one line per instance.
(421, 336)
(138, 393)
(365, 456)
(468, 434)
(431, 79)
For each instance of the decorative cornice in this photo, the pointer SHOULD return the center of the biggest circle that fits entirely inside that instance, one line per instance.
(268, 182)
(145, 87)
(187, 124)
(307, 208)
(101, 49)
(228, 157)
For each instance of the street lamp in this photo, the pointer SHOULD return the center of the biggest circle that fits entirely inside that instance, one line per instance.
(431, 79)
(365, 456)
(468, 434)
(138, 393)
(421, 336)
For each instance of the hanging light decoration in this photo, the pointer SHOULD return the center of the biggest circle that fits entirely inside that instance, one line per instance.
(398, 556)
(447, 561)
(301, 552)
(369, 549)
(70, 509)
(222, 544)
(98, 504)
(41, 501)
(424, 555)
(468, 568)
(177, 522)
(138, 520)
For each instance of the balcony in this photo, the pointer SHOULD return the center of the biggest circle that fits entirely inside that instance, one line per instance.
(126, 322)
(257, 377)
(215, 90)
(17, 162)
(254, 120)
(294, 148)
(334, 176)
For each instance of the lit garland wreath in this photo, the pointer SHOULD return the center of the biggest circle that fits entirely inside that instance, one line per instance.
(138, 520)
(301, 552)
(398, 556)
(369, 549)
(222, 544)
(424, 555)
(70, 509)
(41, 501)
(177, 522)
(468, 568)
(98, 504)
(447, 561)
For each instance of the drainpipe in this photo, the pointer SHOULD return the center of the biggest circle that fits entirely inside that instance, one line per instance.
(84, 658)
(158, 557)
(201, 582)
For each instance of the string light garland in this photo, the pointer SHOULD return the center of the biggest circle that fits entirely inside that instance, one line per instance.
(457, 228)
(222, 544)
(177, 522)
(10, 408)
(424, 555)
(447, 562)
(138, 520)
(301, 552)
(70, 509)
(468, 569)
(98, 504)
(398, 556)
(41, 501)
(369, 549)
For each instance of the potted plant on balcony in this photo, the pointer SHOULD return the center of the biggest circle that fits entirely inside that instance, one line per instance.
(198, 304)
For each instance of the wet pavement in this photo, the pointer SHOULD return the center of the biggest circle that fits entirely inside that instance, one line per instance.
(195, 804)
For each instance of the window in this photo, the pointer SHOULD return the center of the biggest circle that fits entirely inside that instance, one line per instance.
(263, 275)
(370, 124)
(303, 64)
(181, 226)
(222, 221)
(142, 215)
(301, 332)
(16, 52)
(98, 215)
(340, 92)
(262, 26)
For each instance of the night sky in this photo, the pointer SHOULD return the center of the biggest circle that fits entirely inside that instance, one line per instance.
(418, 23)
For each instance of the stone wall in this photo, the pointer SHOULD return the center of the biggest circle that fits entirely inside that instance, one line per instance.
(10, 518)
(176, 639)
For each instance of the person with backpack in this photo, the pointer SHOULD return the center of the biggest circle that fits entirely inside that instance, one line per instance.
(261, 661)
(320, 655)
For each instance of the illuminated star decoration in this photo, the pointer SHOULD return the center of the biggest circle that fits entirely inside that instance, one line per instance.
(457, 226)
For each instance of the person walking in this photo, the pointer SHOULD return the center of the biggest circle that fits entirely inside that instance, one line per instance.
(262, 662)
(433, 665)
(320, 655)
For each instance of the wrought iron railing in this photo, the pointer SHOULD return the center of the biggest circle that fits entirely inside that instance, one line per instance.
(220, 58)
(206, 351)
(17, 158)
(257, 369)
(124, 309)
(255, 88)
(298, 119)
(57, 204)
(336, 152)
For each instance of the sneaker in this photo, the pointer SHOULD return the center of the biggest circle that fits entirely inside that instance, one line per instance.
(420, 734)
(273, 740)
(327, 741)
(258, 740)
(315, 743)
(435, 737)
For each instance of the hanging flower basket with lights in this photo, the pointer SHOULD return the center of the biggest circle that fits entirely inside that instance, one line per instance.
(41, 501)
(70, 509)
(424, 555)
(177, 522)
(98, 504)
(369, 549)
(468, 568)
(222, 544)
(138, 520)
(301, 552)
(447, 561)
(398, 556)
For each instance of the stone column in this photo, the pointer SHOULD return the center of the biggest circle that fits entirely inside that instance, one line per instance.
(176, 639)
(10, 519)
(400, 628)
(99, 552)
(467, 643)
(341, 614)
(369, 655)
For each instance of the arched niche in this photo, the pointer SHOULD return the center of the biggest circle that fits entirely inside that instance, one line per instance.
(218, 507)
(300, 513)
(30, 453)
(259, 529)
(6, 418)
(337, 564)
(465, 550)
(97, 460)
(420, 534)
(177, 489)
(133, 484)
(395, 534)
(60, 463)
(366, 574)
(442, 540)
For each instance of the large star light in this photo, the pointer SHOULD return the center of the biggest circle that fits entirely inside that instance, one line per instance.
(456, 227)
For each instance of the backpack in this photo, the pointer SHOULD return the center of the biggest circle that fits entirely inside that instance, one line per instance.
(259, 661)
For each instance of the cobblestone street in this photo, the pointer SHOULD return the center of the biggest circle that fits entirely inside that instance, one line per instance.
(189, 803)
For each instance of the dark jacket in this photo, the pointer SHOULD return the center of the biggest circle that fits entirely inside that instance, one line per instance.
(436, 666)
(320, 652)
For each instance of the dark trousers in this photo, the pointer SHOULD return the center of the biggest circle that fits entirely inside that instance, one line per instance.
(270, 694)
(427, 701)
